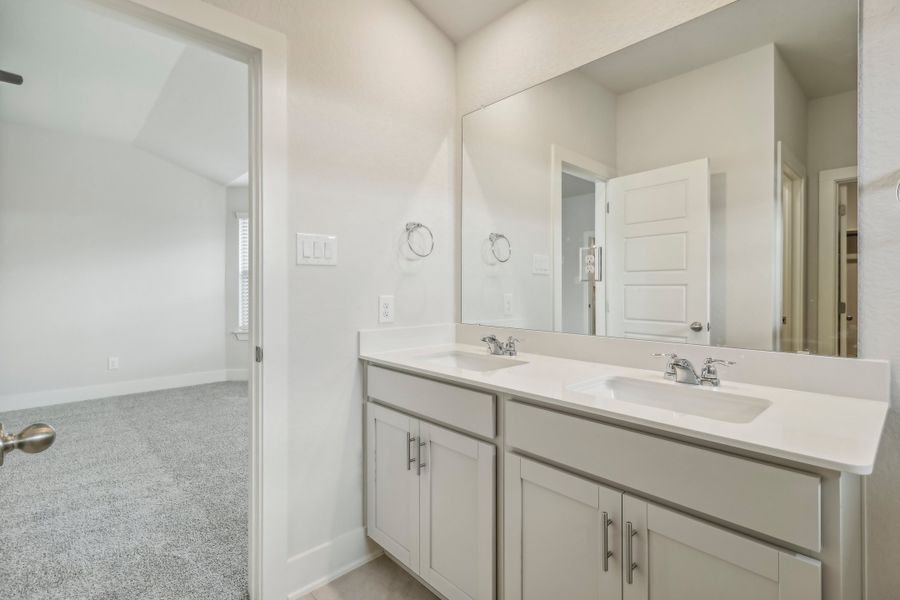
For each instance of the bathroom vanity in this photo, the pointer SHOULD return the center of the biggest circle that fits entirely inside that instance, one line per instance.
(543, 477)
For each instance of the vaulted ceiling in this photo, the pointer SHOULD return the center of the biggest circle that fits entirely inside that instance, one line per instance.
(460, 18)
(89, 74)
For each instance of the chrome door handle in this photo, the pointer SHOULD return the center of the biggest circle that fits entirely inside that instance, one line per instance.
(410, 438)
(31, 440)
(607, 553)
(419, 464)
(630, 565)
(696, 326)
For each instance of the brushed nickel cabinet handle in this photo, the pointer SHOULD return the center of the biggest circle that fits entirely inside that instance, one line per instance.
(410, 438)
(607, 553)
(419, 464)
(629, 551)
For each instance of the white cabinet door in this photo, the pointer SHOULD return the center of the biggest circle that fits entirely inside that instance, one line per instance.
(392, 490)
(557, 542)
(657, 254)
(457, 514)
(675, 557)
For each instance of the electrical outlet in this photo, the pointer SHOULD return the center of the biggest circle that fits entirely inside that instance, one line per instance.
(112, 363)
(507, 304)
(385, 309)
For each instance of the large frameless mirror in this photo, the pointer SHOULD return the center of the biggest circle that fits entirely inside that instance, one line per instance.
(698, 187)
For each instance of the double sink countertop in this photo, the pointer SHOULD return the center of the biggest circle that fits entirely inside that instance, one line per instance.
(821, 430)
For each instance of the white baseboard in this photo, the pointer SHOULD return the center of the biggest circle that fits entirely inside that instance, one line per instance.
(237, 374)
(106, 390)
(326, 562)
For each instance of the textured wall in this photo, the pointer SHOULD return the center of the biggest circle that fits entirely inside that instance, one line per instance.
(880, 273)
(371, 118)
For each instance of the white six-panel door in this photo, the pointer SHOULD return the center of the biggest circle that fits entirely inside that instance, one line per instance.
(556, 535)
(677, 557)
(393, 485)
(457, 514)
(658, 254)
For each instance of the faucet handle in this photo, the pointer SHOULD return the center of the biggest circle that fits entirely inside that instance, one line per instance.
(718, 361)
(670, 357)
(510, 346)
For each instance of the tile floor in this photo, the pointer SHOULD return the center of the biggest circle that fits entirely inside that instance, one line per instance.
(380, 579)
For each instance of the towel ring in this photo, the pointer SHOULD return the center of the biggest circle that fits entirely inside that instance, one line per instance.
(494, 237)
(411, 228)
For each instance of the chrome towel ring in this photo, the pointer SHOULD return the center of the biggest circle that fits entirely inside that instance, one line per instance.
(500, 256)
(411, 228)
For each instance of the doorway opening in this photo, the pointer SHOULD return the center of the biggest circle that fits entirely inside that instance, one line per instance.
(838, 321)
(126, 240)
(582, 250)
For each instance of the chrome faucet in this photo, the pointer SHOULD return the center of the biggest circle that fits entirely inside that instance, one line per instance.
(681, 370)
(495, 346)
(710, 375)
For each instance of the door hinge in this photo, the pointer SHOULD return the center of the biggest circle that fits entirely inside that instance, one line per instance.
(607, 208)
(842, 307)
(842, 210)
(259, 354)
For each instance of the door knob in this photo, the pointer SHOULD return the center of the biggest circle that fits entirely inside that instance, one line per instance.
(696, 326)
(31, 440)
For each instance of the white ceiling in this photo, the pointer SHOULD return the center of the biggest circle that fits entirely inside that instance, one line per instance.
(89, 74)
(460, 18)
(816, 38)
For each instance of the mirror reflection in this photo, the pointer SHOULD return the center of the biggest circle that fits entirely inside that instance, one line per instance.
(697, 187)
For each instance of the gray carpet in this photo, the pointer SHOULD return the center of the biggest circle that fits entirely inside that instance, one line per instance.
(141, 497)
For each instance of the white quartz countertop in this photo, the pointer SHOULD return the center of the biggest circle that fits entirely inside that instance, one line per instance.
(832, 432)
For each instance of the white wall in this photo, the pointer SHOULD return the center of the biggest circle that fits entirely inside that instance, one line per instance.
(507, 149)
(371, 120)
(832, 144)
(723, 111)
(104, 251)
(879, 288)
(790, 110)
(237, 347)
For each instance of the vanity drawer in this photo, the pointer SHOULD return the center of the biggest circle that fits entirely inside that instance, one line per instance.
(466, 409)
(774, 501)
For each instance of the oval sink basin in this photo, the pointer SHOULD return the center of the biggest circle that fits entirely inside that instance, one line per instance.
(470, 361)
(685, 399)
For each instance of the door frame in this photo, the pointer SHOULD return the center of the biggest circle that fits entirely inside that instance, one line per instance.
(265, 52)
(563, 160)
(827, 307)
(788, 161)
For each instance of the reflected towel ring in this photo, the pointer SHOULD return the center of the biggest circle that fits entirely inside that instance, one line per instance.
(494, 237)
(411, 228)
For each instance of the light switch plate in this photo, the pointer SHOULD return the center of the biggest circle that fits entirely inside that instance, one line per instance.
(112, 363)
(385, 309)
(317, 249)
